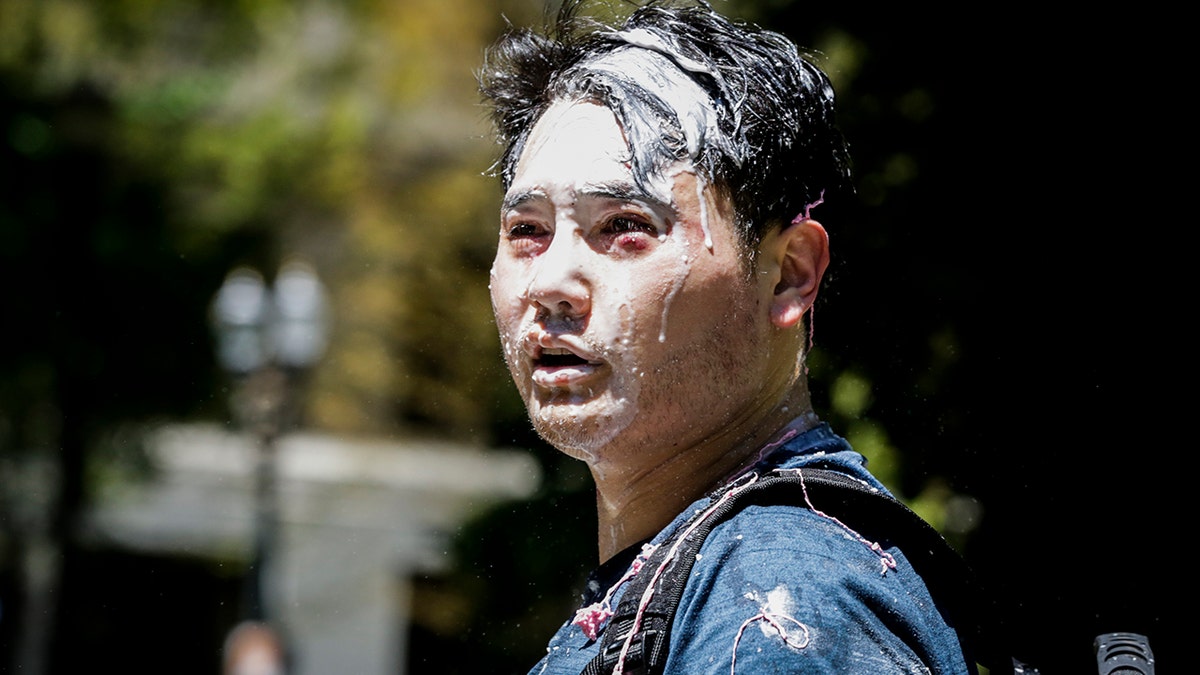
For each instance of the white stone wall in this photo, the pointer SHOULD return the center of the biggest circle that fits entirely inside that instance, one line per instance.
(357, 517)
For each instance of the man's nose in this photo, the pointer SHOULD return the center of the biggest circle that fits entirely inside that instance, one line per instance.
(560, 283)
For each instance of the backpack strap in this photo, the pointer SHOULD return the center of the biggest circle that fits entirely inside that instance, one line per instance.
(638, 634)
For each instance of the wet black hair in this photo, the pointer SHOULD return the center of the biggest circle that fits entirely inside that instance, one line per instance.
(769, 139)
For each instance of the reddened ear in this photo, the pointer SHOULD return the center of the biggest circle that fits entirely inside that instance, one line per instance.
(802, 251)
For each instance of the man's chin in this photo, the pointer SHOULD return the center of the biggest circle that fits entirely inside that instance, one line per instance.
(581, 428)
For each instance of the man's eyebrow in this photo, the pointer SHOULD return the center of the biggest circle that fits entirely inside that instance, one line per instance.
(620, 190)
(517, 199)
(625, 191)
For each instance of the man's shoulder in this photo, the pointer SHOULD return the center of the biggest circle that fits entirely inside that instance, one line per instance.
(774, 575)
(794, 545)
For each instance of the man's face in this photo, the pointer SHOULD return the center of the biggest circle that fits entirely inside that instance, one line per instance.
(629, 318)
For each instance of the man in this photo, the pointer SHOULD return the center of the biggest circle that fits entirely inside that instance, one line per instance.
(658, 253)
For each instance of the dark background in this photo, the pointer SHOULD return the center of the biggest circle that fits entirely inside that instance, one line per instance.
(1039, 230)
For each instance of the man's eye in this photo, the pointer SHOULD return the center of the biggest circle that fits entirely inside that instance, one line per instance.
(526, 237)
(524, 230)
(629, 234)
(622, 225)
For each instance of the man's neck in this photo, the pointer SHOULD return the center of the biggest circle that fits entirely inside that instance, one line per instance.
(635, 504)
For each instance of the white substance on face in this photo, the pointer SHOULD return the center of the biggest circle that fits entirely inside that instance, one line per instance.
(675, 286)
(622, 391)
(684, 242)
(576, 296)
(660, 72)
(575, 423)
(572, 414)
(708, 242)
(626, 384)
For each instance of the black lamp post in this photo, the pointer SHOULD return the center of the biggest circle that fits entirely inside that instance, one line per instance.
(268, 338)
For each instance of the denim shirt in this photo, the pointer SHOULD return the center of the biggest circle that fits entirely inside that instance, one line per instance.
(783, 589)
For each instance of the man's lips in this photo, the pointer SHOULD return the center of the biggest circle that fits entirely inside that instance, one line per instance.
(561, 367)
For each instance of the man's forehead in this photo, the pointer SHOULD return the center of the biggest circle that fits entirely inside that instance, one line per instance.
(570, 135)
(581, 148)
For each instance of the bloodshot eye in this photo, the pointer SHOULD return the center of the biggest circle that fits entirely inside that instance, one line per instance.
(621, 225)
(631, 234)
(521, 230)
(527, 237)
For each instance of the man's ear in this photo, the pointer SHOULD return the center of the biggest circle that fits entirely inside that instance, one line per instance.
(802, 252)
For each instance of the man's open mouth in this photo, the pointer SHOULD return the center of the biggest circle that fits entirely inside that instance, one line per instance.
(554, 358)
(559, 367)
